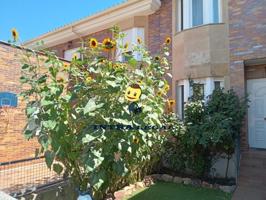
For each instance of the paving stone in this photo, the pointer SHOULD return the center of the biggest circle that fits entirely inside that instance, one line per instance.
(167, 178)
(177, 179)
(227, 189)
(187, 181)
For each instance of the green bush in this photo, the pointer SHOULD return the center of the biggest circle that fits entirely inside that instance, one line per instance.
(211, 129)
(73, 110)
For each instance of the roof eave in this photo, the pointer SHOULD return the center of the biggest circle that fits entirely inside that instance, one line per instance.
(97, 22)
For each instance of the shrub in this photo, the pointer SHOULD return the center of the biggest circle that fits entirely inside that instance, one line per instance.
(86, 114)
(211, 129)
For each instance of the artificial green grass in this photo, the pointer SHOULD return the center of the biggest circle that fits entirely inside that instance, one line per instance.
(172, 191)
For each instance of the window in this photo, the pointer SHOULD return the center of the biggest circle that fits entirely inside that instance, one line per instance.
(8, 99)
(204, 87)
(131, 36)
(180, 101)
(193, 13)
(217, 84)
(198, 89)
(68, 54)
(126, 56)
(197, 12)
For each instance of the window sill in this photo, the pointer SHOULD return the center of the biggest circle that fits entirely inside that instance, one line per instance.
(196, 27)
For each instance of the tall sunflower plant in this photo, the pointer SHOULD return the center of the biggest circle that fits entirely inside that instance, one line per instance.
(98, 120)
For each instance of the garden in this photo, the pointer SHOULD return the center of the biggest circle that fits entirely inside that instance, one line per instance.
(108, 124)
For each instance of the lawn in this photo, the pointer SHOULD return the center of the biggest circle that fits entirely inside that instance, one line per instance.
(172, 191)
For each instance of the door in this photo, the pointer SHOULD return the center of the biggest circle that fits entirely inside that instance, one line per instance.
(257, 113)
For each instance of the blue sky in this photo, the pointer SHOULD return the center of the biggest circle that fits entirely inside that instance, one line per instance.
(34, 17)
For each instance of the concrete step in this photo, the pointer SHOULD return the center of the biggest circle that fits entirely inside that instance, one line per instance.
(251, 154)
(252, 183)
(253, 171)
(253, 163)
(252, 178)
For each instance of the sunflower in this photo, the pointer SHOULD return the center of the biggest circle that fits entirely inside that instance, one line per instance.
(156, 58)
(159, 93)
(117, 66)
(171, 103)
(60, 80)
(108, 44)
(139, 40)
(167, 40)
(75, 56)
(140, 82)
(93, 43)
(126, 46)
(135, 140)
(66, 66)
(88, 79)
(15, 34)
(166, 88)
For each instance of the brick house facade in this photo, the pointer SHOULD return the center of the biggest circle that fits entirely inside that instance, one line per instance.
(247, 28)
(225, 47)
(13, 145)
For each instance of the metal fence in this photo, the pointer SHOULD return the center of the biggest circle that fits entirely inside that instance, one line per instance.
(23, 176)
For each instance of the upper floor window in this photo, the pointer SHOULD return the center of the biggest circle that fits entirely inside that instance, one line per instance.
(131, 37)
(68, 54)
(193, 13)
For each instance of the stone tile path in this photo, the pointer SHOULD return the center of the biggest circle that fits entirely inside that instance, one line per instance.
(252, 179)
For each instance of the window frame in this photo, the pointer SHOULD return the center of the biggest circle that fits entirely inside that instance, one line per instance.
(185, 16)
(208, 87)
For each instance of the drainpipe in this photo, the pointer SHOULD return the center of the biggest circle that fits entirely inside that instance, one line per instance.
(81, 39)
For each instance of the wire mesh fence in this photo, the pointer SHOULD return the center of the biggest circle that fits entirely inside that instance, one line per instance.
(21, 176)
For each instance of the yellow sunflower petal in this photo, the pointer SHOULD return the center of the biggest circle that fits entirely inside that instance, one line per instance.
(139, 40)
(93, 43)
(167, 40)
(75, 56)
(15, 34)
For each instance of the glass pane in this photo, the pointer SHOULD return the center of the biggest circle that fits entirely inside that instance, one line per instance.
(180, 101)
(217, 84)
(215, 11)
(198, 91)
(197, 12)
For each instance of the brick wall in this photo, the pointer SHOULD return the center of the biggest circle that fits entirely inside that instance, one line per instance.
(247, 28)
(13, 146)
(160, 27)
(247, 35)
(60, 49)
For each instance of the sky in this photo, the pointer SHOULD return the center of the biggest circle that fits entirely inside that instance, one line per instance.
(32, 18)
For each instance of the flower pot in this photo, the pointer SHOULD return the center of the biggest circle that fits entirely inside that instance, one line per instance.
(84, 196)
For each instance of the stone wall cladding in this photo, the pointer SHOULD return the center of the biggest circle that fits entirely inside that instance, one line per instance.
(13, 145)
(247, 28)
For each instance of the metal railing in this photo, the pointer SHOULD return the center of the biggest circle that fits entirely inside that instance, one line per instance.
(26, 175)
